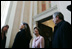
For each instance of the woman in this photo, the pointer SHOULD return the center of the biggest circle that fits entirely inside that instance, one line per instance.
(38, 42)
(23, 37)
(3, 35)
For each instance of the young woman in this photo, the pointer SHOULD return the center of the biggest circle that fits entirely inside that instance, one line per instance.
(3, 35)
(38, 42)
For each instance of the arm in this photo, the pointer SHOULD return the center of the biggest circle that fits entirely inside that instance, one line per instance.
(42, 43)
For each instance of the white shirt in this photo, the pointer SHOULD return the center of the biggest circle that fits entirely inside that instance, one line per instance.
(38, 42)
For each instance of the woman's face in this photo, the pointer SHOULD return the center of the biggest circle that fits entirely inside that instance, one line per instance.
(36, 31)
(5, 29)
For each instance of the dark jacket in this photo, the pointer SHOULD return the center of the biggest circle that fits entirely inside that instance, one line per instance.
(62, 35)
(3, 41)
(20, 40)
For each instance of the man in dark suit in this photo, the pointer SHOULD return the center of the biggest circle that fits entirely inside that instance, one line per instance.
(62, 32)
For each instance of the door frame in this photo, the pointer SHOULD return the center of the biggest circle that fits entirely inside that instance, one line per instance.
(44, 15)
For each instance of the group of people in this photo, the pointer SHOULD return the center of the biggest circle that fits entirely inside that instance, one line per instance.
(61, 36)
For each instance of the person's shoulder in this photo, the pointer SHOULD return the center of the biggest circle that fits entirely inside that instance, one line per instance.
(18, 33)
(66, 23)
(41, 37)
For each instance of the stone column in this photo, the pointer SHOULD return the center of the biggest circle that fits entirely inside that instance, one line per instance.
(35, 8)
(10, 20)
(16, 22)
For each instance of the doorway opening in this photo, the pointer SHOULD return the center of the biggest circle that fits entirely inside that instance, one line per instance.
(46, 26)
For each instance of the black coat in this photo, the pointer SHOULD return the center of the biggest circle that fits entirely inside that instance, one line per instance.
(20, 40)
(3, 41)
(62, 35)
